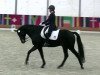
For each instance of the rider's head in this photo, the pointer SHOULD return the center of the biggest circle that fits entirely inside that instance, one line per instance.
(51, 8)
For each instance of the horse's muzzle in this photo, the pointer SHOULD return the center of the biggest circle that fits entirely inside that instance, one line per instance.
(23, 41)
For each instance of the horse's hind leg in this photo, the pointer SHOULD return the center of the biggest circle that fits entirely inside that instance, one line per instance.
(42, 56)
(65, 51)
(28, 54)
(78, 57)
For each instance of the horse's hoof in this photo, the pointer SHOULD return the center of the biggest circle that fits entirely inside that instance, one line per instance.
(26, 63)
(42, 66)
(59, 67)
(82, 67)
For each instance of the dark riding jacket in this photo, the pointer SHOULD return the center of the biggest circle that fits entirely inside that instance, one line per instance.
(51, 20)
(51, 23)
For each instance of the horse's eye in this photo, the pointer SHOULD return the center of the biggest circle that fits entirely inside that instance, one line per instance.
(18, 31)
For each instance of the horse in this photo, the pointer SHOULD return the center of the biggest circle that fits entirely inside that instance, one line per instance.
(66, 39)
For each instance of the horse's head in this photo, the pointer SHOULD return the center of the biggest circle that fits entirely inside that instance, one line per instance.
(30, 30)
(21, 33)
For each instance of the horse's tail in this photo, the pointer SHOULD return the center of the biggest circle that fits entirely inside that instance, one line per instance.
(80, 47)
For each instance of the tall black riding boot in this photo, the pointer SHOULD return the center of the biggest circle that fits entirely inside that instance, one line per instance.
(46, 44)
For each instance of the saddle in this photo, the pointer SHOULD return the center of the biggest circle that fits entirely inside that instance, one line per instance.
(54, 34)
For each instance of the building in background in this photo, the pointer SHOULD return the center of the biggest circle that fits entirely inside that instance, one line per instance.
(69, 13)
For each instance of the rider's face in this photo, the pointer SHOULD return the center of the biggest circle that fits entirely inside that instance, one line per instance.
(49, 10)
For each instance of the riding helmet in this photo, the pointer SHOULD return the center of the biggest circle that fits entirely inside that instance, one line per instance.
(52, 7)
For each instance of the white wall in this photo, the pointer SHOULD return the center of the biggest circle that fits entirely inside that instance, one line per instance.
(65, 7)
(7, 6)
(32, 7)
(90, 8)
(97, 8)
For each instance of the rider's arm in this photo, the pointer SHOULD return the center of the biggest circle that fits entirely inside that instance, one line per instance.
(48, 20)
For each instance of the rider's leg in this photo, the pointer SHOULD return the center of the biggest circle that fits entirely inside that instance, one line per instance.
(47, 36)
(49, 32)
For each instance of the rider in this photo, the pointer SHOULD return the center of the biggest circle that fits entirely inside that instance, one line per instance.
(50, 21)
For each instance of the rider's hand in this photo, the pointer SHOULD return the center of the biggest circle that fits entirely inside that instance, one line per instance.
(43, 23)
(40, 24)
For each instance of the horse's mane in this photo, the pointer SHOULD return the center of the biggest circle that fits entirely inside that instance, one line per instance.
(31, 27)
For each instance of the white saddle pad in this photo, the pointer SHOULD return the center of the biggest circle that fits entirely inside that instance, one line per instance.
(54, 34)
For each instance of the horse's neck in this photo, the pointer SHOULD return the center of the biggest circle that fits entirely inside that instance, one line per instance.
(33, 30)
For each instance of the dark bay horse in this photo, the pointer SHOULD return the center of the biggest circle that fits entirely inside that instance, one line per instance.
(66, 39)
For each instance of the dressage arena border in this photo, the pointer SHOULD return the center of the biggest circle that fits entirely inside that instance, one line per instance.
(71, 30)
(13, 54)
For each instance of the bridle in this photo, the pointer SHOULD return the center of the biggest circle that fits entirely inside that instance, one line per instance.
(26, 39)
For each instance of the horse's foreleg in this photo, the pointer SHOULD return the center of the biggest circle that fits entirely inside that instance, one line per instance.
(28, 54)
(65, 51)
(42, 56)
